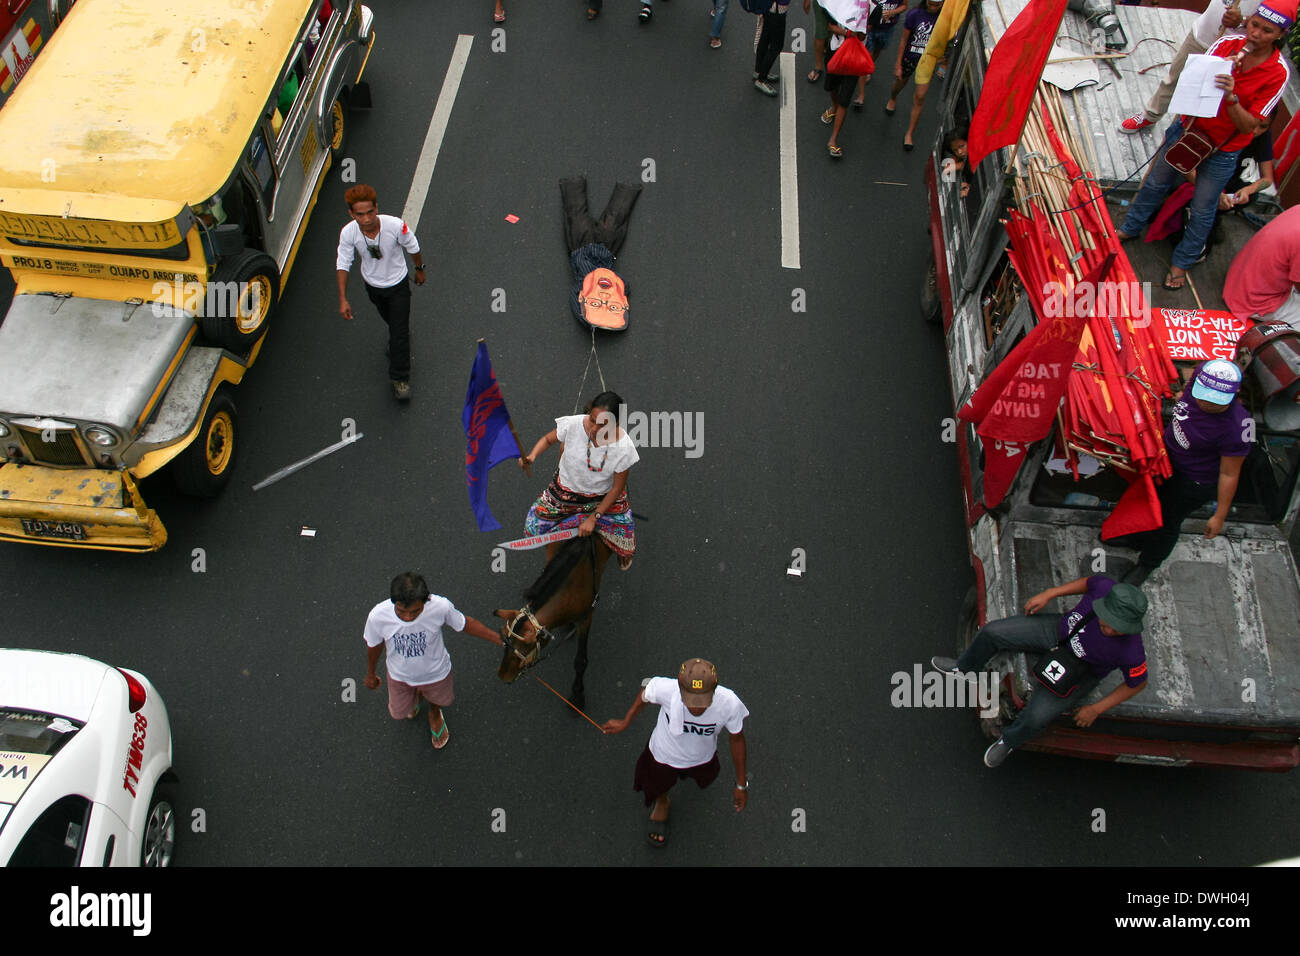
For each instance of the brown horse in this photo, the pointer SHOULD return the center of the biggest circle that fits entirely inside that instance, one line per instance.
(565, 593)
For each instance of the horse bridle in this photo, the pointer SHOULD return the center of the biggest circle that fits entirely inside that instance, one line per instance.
(544, 634)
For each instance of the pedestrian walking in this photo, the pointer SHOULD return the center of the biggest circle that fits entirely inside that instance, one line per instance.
(884, 17)
(379, 241)
(840, 86)
(693, 709)
(917, 27)
(407, 629)
(771, 39)
(719, 15)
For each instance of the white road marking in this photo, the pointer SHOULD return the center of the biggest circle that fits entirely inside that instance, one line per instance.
(789, 167)
(298, 465)
(419, 193)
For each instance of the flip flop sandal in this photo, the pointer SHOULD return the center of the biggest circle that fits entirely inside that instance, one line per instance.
(857, 106)
(658, 829)
(837, 152)
(829, 116)
(441, 737)
(1170, 279)
(814, 76)
(890, 112)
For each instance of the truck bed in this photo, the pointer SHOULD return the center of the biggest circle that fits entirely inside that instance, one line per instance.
(1222, 612)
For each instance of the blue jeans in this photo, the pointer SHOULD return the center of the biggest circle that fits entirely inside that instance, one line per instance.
(719, 14)
(1211, 176)
(1030, 633)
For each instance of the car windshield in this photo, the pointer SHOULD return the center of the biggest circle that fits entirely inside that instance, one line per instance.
(31, 732)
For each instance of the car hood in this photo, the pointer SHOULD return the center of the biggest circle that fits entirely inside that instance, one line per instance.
(88, 360)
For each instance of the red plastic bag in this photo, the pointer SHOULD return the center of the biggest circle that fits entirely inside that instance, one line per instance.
(852, 59)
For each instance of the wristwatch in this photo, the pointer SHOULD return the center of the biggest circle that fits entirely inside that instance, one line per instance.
(1235, 99)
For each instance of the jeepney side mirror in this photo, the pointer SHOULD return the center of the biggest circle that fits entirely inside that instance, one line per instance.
(229, 239)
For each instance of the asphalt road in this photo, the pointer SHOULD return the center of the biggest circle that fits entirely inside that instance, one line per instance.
(823, 432)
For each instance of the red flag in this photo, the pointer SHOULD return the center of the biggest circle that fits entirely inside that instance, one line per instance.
(1286, 150)
(1016, 405)
(1012, 77)
(1138, 510)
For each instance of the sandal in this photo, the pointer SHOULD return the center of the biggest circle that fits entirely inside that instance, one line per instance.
(857, 106)
(715, 42)
(829, 116)
(442, 736)
(889, 110)
(837, 152)
(1173, 283)
(657, 833)
(814, 76)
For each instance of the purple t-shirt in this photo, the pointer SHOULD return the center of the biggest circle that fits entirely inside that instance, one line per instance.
(1103, 653)
(921, 24)
(1197, 439)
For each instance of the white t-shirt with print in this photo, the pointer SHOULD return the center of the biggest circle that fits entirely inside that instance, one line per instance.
(414, 649)
(680, 738)
(606, 460)
(394, 236)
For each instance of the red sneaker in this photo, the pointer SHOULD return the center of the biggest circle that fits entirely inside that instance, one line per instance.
(1135, 122)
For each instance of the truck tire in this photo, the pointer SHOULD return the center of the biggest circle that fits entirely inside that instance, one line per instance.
(931, 303)
(336, 124)
(204, 468)
(240, 299)
(967, 619)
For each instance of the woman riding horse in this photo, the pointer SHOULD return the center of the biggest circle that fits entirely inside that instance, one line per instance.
(589, 490)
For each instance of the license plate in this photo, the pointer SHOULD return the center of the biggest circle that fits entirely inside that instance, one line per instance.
(54, 529)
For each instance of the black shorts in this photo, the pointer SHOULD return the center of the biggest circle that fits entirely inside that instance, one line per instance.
(654, 779)
(841, 87)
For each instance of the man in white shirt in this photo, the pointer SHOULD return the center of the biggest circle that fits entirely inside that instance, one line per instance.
(407, 628)
(379, 241)
(1220, 18)
(692, 711)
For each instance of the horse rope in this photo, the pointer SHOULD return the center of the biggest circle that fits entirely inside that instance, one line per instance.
(590, 355)
(569, 702)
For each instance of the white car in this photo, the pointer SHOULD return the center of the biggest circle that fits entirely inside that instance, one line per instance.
(85, 760)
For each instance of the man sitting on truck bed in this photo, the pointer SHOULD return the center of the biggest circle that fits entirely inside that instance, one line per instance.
(1101, 633)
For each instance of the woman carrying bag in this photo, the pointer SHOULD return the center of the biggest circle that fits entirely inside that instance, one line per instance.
(1210, 145)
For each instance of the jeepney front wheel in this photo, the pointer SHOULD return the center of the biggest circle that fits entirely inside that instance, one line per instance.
(205, 467)
(240, 299)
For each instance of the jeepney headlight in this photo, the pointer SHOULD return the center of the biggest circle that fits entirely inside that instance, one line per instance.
(98, 435)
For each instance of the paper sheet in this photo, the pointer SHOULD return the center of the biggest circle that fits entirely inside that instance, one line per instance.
(1196, 94)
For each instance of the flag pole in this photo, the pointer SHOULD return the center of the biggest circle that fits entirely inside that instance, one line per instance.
(523, 459)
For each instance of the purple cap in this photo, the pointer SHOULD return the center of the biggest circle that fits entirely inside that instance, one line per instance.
(1280, 13)
(1217, 381)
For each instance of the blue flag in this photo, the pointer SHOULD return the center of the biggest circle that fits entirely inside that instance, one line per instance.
(489, 440)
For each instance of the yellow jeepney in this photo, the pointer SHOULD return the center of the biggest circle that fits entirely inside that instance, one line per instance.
(160, 162)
